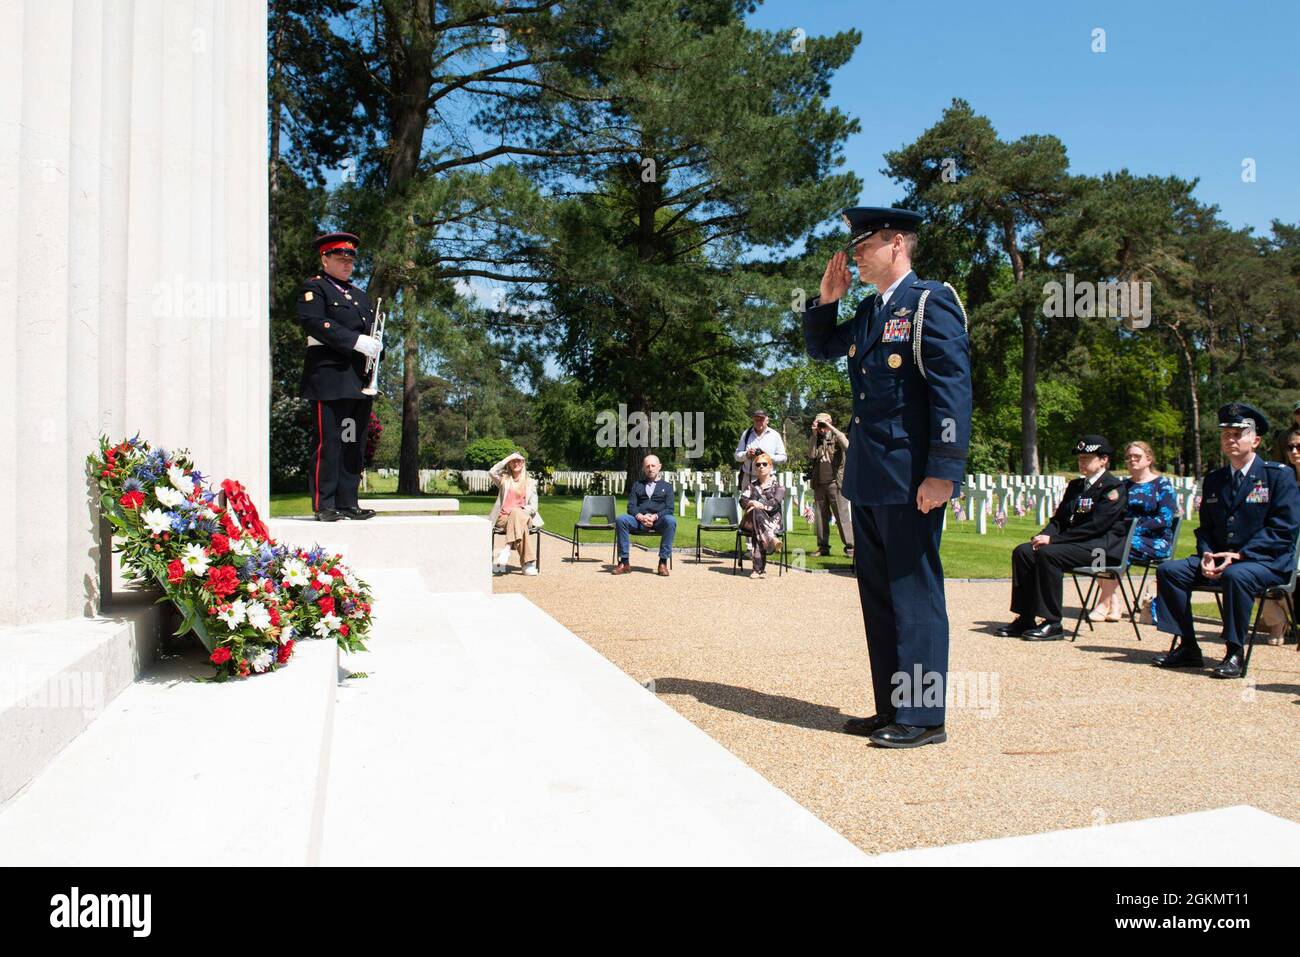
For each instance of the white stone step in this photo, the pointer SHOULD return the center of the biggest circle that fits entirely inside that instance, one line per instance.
(492, 735)
(179, 772)
(57, 677)
(1238, 836)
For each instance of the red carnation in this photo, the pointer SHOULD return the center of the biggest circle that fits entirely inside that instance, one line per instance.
(275, 616)
(243, 668)
(220, 656)
(132, 499)
(336, 572)
(285, 651)
(222, 580)
(175, 571)
(343, 630)
(326, 605)
(220, 544)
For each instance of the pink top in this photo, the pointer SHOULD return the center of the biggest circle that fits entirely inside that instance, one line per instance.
(512, 500)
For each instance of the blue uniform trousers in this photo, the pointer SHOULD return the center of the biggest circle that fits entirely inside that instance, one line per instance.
(1241, 581)
(900, 584)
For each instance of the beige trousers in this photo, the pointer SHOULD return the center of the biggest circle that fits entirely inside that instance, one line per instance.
(518, 533)
(827, 500)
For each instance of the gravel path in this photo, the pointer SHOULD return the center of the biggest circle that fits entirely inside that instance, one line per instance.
(1051, 736)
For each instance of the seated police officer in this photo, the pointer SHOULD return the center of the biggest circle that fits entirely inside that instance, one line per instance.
(1089, 522)
(1250, 513)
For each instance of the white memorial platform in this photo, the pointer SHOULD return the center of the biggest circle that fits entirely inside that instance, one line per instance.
(385, 506)
(451, 552)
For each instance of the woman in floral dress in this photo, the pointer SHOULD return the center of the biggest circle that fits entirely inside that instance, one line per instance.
(1151, 500)
(761, 502)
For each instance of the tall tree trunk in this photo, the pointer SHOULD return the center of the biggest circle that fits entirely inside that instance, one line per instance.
(1028, 360)
(413, 68)
(408, 458)
(1193, 397)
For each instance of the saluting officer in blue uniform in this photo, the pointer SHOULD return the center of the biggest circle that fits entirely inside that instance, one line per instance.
(909, 366)
(1250, 515)
(338, 318)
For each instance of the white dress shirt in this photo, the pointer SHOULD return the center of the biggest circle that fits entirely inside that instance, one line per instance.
(884, 298)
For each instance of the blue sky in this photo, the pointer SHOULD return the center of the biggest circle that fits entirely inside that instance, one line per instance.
(1188, 88)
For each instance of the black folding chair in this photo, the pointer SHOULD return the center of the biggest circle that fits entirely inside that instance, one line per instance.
(645, 531)
(1148, 564)
(594, 507)
(537, 551)
(1096, 575)
(717, 514)
(738, 561)
(1283, 593)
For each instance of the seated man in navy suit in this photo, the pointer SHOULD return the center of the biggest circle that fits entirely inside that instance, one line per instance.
(649, 509)
(1250, 513)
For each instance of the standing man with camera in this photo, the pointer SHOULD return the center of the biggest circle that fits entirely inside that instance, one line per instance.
(909, 369)
(826, 475)
(337, 316)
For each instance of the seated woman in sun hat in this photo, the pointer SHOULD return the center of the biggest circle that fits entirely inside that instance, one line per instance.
(514, 513)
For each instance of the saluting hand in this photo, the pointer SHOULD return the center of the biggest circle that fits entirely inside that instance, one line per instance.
(836, 279)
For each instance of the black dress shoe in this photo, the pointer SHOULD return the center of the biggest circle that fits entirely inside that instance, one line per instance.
(328, 515)
(357, 514)
(1047, 631)
(1231, 666)
(865, 727)
(1184, 655)
(908, 736)
(1016, 628)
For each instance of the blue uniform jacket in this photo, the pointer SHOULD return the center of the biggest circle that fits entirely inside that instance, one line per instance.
(1260, 523)
(661, 503)
(906, 427)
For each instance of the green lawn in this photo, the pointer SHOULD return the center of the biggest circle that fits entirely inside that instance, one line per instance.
(965, 553)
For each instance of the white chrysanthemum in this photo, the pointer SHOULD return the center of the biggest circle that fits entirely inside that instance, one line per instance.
(168, 496)
(286, 633)
(242, 547)
(259, 616)
(207, 513)
(180, 480)
(327, 625)
(295, 573)
(261, 661)
(352, 581)
(156, 520)
(232, 616)
(194, 560)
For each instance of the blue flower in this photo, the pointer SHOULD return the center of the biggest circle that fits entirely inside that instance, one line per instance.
(134, 441)
(132, 485)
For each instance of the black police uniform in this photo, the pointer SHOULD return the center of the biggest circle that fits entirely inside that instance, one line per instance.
(1088, 521)
(1256, 515)
(907, 425)
(334, 313)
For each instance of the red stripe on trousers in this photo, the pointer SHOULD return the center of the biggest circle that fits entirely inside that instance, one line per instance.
(320, 441)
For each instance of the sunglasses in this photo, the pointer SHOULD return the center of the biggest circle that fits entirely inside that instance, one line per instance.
(1293, 447)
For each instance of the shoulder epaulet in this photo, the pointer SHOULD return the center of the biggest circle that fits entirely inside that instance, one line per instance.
(918, 324)
(1276, 465)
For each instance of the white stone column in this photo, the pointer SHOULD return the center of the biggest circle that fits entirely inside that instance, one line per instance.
(133, 202)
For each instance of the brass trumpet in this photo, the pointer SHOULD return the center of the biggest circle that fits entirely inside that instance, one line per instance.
(372, 364)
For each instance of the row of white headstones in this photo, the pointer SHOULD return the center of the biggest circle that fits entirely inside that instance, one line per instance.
(985, 498)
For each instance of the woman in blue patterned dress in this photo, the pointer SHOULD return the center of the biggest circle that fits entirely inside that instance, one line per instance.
(1152, 502)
